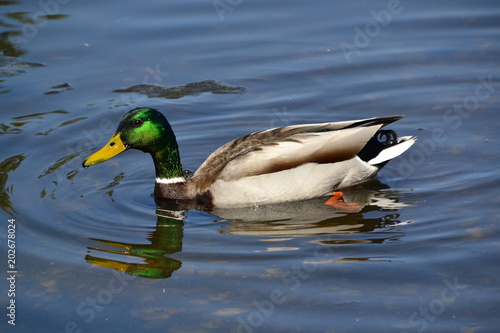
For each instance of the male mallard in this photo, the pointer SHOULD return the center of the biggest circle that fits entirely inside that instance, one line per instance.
(281, 164)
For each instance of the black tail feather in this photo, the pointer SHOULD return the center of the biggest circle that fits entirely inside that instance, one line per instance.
(376, 121)
(380, 141)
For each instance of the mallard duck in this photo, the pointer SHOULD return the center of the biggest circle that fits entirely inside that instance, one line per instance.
(282, 164)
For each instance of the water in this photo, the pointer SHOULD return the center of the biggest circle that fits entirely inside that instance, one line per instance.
(420, 255)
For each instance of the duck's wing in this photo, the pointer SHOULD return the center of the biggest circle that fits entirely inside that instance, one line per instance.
(287, 147)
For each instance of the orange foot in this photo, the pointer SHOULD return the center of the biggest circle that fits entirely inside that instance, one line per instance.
(336, 202)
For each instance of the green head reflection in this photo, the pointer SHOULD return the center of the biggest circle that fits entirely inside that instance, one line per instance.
(166, 239)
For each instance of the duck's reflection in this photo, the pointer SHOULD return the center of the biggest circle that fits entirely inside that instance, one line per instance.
(313, 217)
(166, 239)
(294, 219)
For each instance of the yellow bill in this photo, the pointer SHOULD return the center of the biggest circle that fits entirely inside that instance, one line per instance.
(110, 149)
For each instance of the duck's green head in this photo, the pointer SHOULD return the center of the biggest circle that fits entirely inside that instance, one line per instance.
(145, 129)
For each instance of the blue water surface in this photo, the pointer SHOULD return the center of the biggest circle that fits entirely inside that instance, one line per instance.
(94, 252)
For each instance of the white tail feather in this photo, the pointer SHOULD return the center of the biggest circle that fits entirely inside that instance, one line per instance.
(393, 151)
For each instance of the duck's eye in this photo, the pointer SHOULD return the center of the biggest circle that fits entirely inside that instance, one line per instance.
(137, 123)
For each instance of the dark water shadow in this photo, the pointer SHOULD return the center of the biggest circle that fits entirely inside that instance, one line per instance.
(176, 92)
